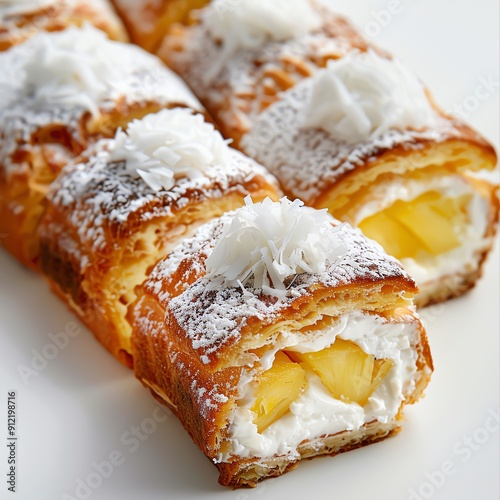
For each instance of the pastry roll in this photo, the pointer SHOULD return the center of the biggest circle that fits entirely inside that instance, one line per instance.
(360, 136)
(60, 93)
(240, 59)
(363, 139)
(21, 19)
(147, 21)
(117, 210)
(275, 333)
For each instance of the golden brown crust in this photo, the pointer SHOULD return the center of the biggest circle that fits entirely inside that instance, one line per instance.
(371, 279)
(263, 75)
(34, 164)
(257, 100)
(148, 21)
(37, 161)
(24, 22)
(200, 384)
(103, 231)
(310, 164)
(249, 474)
(460, 150)
(37, 139)
(161, 362)
(174, 376)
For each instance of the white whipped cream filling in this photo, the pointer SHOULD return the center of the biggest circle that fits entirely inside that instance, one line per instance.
(432, 267)
(169, 144)
(265, 243)
(316, 413)
(363, 95)
(250, 24)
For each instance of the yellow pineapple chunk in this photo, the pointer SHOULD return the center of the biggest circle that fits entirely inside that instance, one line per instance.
(348, 372)
(277, 389)
(392, 235)
(454, 209)
(422, 217)
(380, 370)
(430, 222)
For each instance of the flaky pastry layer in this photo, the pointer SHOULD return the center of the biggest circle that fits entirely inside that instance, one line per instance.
(194, 361)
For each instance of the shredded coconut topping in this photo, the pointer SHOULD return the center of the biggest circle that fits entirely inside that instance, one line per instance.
(250, 24)
(78, 68)
(167, 145)
(53, 74)
(57, 79)
(308, 160)
(363, 95)
(247, 81)
(266, 243)
(213, 317)
(102, 202)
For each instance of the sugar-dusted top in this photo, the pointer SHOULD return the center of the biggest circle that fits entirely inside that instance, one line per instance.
(212, 317)
(58, 78)
(308, 159)
(250, 24)
(105, 201)
(363, 95)
(81, 68)
(246, 82)
(169, 144)
(21, 19)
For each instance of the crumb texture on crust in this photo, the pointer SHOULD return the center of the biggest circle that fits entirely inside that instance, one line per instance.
(204, 398)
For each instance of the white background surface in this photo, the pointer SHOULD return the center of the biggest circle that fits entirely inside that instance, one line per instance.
(77, 409)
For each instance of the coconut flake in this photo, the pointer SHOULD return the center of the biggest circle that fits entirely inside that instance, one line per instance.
(79, 68)
(364, 95)
(167, 145)
(266, 243)
(250, 24)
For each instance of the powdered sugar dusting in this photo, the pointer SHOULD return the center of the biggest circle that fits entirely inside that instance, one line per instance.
(253, 79)
(253, 23)
(21, 19)
(306, 160)
(210, 391)
(34, 96)
(100, 196)
(214, 317)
